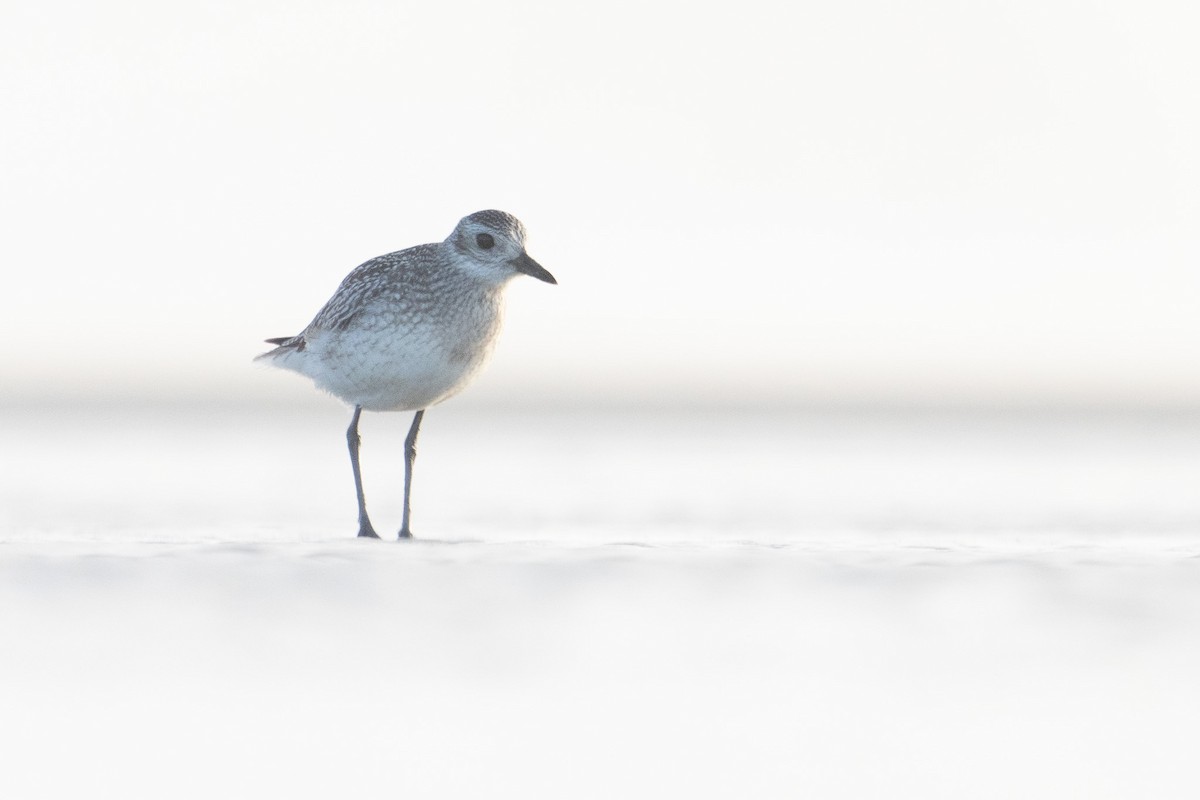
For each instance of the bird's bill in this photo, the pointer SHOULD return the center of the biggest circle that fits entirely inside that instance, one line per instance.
(523, 263)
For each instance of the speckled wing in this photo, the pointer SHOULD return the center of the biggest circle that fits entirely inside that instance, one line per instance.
(381, 276)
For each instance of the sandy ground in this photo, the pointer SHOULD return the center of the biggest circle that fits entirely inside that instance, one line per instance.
(601, 606)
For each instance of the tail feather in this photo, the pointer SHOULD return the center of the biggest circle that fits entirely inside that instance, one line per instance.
(284, 346)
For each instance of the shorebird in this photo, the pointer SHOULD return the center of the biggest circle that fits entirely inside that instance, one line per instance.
(409, 329)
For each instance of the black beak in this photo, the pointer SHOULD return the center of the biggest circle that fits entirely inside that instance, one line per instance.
(523, 263)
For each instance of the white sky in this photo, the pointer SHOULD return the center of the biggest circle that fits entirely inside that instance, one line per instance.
(743, 202)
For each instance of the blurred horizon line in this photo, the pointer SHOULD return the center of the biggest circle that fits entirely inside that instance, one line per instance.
(272, 398)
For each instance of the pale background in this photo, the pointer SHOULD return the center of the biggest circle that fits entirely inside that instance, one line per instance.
(855, 456)
(745, 203)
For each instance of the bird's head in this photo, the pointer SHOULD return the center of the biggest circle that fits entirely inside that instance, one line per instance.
(493, 243)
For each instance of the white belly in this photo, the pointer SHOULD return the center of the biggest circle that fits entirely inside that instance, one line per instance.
(382, 368)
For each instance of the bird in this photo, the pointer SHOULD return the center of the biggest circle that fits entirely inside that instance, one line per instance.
(409, 329)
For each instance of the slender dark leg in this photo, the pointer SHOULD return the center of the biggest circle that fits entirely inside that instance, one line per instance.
(364, 522)
(410, 456)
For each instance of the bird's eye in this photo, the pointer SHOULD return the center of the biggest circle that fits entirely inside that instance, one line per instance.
(485, 241)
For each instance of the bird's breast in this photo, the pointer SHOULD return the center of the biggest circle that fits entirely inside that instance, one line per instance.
(398, 357)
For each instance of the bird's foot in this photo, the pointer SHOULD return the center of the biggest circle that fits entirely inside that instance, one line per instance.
(365, 531)
(405, 534)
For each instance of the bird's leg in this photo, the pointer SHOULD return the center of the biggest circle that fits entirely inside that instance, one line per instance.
(364, 522)
(410, 456)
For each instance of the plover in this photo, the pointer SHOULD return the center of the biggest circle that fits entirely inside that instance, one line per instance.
(409, 329)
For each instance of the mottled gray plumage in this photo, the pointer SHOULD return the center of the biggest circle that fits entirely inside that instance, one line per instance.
(411, 328)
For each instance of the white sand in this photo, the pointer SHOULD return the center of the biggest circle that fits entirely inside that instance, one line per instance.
(822, 606)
